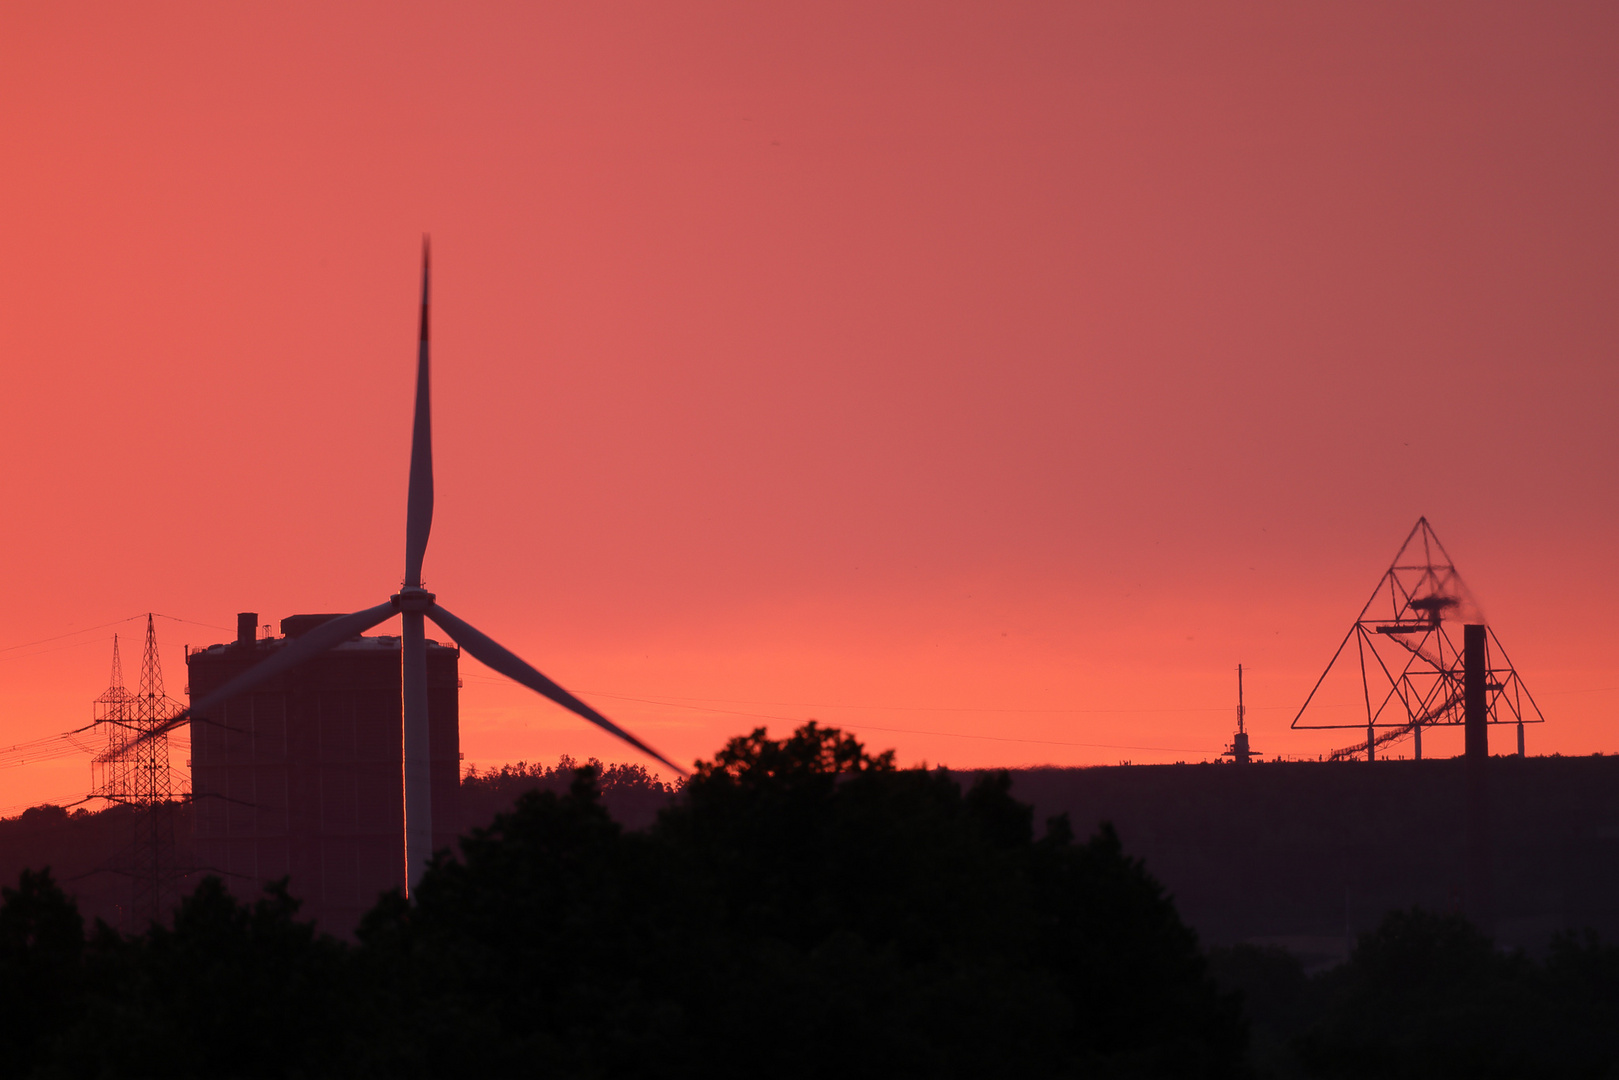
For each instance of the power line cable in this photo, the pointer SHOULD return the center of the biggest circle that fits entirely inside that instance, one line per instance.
(914, 731)
(100, 626)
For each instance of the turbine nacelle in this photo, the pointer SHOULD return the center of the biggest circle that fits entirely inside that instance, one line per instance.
(413, 599)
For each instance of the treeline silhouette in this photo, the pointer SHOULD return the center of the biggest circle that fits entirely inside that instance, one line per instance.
(1308, 850)
(89, 850)
(630, 794)
(1428, 995)
(804, 908)
(798, 908)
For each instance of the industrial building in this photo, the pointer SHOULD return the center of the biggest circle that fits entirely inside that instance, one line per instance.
(300, 778)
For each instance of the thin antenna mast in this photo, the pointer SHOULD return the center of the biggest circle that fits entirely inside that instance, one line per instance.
(1238, 751)
(1241, 712)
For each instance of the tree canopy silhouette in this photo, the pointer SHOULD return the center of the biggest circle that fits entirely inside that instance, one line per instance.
(803, 908)
(1429, 995)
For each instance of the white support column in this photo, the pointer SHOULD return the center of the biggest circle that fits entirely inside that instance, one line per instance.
(418, 792)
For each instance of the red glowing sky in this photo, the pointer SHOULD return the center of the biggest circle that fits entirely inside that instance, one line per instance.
(988, 379)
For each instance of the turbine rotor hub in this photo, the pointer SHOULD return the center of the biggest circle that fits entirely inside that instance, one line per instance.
(413, 599)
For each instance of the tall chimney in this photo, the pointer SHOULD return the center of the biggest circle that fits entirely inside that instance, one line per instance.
(247, 628)
(1475, 704)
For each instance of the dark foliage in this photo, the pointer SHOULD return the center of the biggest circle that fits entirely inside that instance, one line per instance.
(632, 796)
(1428, 995)
(806, 908)
(81, 847)
(41, 969)
(228, 990)
(799, 908)
(803, 909)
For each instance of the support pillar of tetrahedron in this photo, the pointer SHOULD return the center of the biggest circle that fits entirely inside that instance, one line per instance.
(1475, 678)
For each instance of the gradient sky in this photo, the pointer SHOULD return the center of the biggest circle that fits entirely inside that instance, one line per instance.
(988, 379)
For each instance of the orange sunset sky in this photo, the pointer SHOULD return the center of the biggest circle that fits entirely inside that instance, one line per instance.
(988, 379)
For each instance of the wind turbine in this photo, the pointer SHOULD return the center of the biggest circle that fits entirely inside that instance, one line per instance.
(415, 604)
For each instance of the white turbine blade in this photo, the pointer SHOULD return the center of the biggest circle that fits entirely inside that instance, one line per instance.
(289, 656)
(503, 660)
(419, 511)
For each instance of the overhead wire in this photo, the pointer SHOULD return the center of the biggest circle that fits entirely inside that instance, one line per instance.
(7, 649)
(64, 744)
(962, 708)
(48, 748)
(679, 704)
(71, 633)
(908, 731)
(920, 708)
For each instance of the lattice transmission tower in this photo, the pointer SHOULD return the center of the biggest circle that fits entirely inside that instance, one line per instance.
(134, 770)
(115, 718)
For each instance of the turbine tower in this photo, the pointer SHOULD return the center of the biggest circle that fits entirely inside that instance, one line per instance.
(415, 604)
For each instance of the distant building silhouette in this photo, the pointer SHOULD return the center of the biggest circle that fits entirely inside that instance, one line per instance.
(301, 776)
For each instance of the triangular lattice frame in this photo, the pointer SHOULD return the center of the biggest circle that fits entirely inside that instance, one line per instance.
(1410, 659)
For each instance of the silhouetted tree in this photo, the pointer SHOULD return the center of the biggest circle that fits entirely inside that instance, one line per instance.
(228, 990)
(632, 795)
(1428, 995)
(1277, 997)
(82, 847)
(804, 909)
(41, 973)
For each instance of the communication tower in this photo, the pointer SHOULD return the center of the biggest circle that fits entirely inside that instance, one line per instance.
(1238, 751)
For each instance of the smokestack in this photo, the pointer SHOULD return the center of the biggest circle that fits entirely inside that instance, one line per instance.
(247, 628)
(1475, 704)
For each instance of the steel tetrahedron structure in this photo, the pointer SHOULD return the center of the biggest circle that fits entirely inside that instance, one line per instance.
(1408, 657)
(415, 604)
